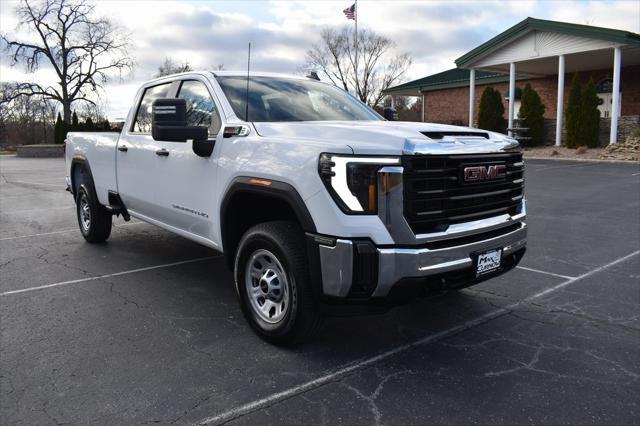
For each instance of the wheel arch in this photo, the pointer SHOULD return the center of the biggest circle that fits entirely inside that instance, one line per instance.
(78, 164)
(284, 202)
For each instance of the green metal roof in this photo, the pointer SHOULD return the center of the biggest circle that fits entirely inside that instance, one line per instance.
(456, 77)
(529, 24)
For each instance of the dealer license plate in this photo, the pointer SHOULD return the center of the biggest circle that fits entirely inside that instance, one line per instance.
(488, 261)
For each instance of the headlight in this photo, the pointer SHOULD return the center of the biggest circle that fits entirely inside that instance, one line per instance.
(352, 181)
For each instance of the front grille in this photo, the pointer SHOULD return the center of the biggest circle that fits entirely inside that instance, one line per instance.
(436, 196)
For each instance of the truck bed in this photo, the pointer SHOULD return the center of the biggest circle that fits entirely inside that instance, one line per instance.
(100, 147)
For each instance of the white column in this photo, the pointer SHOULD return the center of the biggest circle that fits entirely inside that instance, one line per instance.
(615, 108)
(422, 113)
(512, 94)
(472, 95)
(560, 105)
(393, 104)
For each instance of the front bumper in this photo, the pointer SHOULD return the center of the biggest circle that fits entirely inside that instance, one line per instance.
(356, 269)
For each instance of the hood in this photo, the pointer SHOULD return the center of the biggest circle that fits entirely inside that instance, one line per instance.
(392, 137)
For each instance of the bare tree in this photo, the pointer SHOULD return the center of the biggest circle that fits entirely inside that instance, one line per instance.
(170, 66)
(26, 119)
(82, 49)
(379, 66)
(219, 67)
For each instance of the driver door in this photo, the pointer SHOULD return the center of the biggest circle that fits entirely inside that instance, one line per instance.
(136, 160)
(186, 196)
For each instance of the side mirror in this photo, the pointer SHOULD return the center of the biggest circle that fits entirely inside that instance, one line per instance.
(169, 123)
(390, 114)
(203, 148)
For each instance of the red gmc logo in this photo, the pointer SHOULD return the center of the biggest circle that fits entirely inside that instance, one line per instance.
(478, 173)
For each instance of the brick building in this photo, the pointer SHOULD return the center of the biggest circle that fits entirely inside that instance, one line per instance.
(543, 53)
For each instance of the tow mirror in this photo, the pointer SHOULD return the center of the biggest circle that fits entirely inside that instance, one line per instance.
(169, 123)
(390, 114)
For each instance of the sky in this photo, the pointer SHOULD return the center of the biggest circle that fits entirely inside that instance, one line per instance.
(208, 33)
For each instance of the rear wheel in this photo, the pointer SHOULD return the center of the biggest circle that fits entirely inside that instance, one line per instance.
(272, 279)
(94, 220)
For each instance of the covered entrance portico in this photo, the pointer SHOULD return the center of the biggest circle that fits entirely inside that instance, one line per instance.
(537, 48)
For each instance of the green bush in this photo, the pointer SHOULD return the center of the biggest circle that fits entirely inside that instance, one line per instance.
(105, 125)
(532, 115)
(491, 111)
(74, 122)
(572, 114)
(589, 116)
(59, 132)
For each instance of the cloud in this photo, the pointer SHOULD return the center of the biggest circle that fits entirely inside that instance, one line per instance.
(209, 33)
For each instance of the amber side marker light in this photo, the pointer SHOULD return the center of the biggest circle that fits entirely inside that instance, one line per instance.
(372, 198)
(261, 182)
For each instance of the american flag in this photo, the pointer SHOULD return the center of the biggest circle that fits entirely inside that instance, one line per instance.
(350, 12)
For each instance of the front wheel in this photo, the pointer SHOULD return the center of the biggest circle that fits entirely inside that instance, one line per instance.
(93, 219)
(272, 279)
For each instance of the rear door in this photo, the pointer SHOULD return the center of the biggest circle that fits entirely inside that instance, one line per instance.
(186, 182)
(136, 158)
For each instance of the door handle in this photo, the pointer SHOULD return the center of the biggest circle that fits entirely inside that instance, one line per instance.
(123, 148)
(162, 152)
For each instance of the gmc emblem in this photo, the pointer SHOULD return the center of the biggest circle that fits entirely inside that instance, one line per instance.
(478, 173)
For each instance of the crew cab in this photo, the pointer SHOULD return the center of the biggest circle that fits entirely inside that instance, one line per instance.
(318, 203)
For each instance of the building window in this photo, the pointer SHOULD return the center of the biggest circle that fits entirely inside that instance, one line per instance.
(605, 89)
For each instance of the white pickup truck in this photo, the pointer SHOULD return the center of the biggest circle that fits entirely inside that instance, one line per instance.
(317, 202)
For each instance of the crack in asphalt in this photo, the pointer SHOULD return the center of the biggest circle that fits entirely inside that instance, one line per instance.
(531, 365)
(371, 399)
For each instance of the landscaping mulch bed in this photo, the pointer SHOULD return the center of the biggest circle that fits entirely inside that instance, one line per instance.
(628, 150)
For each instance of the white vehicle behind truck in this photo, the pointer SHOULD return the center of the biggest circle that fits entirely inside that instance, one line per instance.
(317, 202)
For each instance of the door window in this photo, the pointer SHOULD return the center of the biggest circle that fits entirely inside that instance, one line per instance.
(201, 109)
(142, 123)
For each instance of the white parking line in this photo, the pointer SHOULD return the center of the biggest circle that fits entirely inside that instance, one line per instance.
(524, 268)
(6, 197)
(337, 374)
(38, 210)
(564, 166)
(99, 277)
(61, 184)
(62, 231)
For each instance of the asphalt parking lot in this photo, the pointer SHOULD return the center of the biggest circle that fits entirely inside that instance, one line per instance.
(146, 328)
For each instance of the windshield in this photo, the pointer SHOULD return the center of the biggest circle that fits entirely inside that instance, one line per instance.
(281, 99)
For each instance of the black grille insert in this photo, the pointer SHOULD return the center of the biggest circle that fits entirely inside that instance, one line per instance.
(436, 195)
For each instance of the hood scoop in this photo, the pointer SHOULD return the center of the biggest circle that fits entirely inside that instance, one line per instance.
(442, 134)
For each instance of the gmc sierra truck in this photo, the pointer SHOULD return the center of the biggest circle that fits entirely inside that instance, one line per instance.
(317, 202)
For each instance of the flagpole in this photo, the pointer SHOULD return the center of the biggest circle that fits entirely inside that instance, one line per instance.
(356, 16)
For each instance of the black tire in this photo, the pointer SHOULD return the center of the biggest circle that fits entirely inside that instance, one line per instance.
(300, 316)
(98, 226)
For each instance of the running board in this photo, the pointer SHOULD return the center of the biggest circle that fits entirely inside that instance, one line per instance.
(116, 206)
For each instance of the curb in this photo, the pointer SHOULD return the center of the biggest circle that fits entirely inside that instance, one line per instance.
(40, 151)
(583, 160)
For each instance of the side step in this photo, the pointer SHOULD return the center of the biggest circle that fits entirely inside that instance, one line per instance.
(116, 206)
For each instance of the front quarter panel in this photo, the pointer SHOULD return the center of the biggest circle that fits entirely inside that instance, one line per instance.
(294, 162)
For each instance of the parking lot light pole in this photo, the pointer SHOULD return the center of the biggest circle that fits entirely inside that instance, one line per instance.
(512, 95)
(560, 106)
(615, 107)
(472, 95)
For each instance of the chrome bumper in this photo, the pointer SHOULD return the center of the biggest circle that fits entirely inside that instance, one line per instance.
(394, 264)
(397, 263)
(412, 258)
